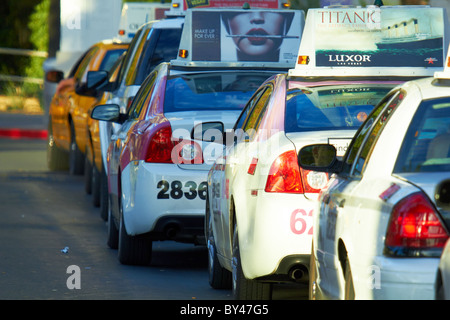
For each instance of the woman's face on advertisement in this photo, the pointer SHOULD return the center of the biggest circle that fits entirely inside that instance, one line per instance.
(251, 26)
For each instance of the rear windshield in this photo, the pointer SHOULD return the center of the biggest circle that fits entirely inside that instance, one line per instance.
(213, 91)
(426, 147)
(333, 107)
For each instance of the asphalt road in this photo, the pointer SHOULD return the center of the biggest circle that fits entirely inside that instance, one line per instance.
(42, 213)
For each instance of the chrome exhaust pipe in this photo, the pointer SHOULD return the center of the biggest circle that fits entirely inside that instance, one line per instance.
(297, 273)
(171, 232)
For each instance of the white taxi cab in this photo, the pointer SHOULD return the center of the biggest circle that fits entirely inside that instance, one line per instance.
(378, 231)
(259, 209)
(442, 286)
(156, 173)
(154, 42)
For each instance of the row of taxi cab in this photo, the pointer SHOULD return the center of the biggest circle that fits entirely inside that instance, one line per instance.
(226, 55)
(205, 149)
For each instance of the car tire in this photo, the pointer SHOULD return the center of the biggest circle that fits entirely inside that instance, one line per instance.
(113, 232)
(76, 157)
(244, 289)
(349, 290)
(57, 158)
(88, 172)
(439, 287)
(104, 197)
(219, 277)
(133, 250)
(95, 186)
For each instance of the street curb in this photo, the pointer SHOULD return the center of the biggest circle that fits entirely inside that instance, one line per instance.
(16, 133)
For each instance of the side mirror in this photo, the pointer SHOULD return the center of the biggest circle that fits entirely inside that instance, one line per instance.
(318, 157)
(54, 76)
(442, 195)
(208, 131)
(107, 112)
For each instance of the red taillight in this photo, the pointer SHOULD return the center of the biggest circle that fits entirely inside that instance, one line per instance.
(284, 174)
(162, 149)
(414, 224)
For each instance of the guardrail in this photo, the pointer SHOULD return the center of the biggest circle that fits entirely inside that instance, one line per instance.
(22, 52)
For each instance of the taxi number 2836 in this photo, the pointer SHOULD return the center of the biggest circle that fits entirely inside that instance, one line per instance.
(174, 190)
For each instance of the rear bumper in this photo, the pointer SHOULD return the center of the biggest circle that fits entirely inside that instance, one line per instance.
(187, 229)
(293, 268)
(163, 199)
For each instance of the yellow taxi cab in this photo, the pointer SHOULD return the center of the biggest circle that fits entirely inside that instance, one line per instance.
(93, 165)
(69, 110)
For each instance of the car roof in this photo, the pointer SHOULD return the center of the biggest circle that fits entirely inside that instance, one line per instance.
(433, 87)
(445, 74)
(164, 23)
(179, 7)
(111, 43)
(169, 23)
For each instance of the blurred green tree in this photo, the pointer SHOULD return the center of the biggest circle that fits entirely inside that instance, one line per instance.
(39, 39)
(15, 34)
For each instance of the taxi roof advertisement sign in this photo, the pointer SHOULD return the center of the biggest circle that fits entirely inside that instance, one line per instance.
(374, 37)
(269, 4)
(232, 35)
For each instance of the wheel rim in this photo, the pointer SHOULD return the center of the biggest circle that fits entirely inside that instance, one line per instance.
(210, 257)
